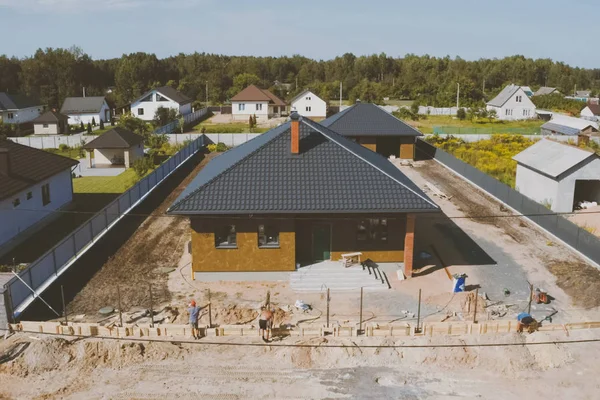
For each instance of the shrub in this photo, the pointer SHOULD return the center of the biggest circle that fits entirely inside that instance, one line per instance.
(141, 166)
(93, 121)
(101, 124)
(63, 147)
(212, 147)
(82, 127)
(222, 147)
(89, 128)
(461, 114)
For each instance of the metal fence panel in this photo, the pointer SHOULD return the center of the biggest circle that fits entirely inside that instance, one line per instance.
(112, 211)
(83, 236)
(588, 245)
(64, 251)
(515, 200)
(42, 270)
(124, 203)
(502, 191)
(98, 223)
(18, 290)
(567, 231)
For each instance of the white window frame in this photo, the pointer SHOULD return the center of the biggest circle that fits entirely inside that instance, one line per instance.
(241, 106)
(140, 111)
(259, 106)
(308, 108)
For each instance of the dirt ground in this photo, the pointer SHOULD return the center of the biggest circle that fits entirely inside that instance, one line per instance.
(228, 118)
(155, 245)
(42, 367)
(588, 219)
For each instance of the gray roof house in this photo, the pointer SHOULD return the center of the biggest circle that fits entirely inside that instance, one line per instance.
(512, 103)
(311, 188)
(376, 129)
(19, 108)
(545, 91)
(117, 146)
(86, 109)
(569, 126)
(558, 175)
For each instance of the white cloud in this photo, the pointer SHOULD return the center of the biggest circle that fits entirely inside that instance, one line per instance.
(32, 6)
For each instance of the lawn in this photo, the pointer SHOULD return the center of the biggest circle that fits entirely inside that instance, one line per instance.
(70, 153)
(399, 103)
(105, 184)
(233, 127)
(524, 127)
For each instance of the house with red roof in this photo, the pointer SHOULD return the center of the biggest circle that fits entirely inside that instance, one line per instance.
(256, 101)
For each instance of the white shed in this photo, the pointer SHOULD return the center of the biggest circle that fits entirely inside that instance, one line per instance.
(558, 175)
(512, 103)
(116, 147)
(309, 105)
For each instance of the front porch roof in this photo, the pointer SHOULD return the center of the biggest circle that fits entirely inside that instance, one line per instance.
(331, 174)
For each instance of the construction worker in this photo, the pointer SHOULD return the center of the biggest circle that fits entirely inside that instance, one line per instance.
(194, 312)
(526, 321)
(265, 322)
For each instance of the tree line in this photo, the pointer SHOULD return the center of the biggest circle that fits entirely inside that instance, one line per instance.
(54, 74)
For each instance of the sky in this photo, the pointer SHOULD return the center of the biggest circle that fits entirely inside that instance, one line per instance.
(322, 29)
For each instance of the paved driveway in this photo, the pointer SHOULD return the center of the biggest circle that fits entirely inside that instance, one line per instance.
(83, 170)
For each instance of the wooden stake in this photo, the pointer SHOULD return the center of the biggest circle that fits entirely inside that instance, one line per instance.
(530, 298)
(151, 310)
(328, 299)
(475, 309)
(209, 311)
(361, 309)
(62, 293)
(119, 305)
(419, 312)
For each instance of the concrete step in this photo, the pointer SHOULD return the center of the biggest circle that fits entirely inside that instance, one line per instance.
(332, 275)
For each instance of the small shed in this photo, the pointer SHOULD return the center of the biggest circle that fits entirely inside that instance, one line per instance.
(50, 123)
(116, 147)
(557, 175)
(570, 126)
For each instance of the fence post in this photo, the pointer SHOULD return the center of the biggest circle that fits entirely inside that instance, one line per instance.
(74, 245)
(62, 295)
(361, 310)
(328, 299)
(419, 314)
(54, 260)
(475, 309)
(151, 310)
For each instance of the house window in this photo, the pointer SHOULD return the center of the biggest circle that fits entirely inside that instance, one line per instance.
(241, 107)
(508, 111)
(16, 202)
(29, 195)
(308, 98)
(519, 99)
(148, 98)
(259, 107)
(308, 108)
(140, 111)
(267, 236)
(525, 113)
(45, 125)
(226, 237)
(11, 115)
(372, 230)
(161, 98)
(46, 194)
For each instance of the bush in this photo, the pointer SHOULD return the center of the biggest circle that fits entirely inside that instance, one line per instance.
(212, 147)
(222, 147)
(101, 124)
(63, 147)
(93, 121)
(141, 166)
(89, 128)
(461, 114)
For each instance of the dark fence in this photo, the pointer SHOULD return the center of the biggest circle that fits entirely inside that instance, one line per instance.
(188, 119)
(221, 109)
(43, 271)
(562, 228)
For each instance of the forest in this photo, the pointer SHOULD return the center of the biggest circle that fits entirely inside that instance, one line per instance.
(53, 74)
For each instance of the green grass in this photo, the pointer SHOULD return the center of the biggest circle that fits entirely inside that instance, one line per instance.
(105, 184)
(426, 125)
(399, 103)
(70, 153)
(233, 127)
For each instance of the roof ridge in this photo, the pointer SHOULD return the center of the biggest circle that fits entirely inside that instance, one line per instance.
(332, 136)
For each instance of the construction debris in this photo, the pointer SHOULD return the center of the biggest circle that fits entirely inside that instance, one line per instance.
(436, 192)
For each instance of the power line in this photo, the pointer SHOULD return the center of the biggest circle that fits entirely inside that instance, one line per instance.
(306, 345)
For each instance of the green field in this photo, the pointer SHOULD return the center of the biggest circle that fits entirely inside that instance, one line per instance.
(485, 126)
(234, 127)
(399, 103)
(70, 153)
(105, 184)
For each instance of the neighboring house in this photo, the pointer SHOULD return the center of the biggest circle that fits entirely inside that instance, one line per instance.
(512, 104)
(527, 91)
(591, 112)
(51, 123)
(33, 184)
(583, 95)
(166, 97)
(300, 193)
(543, 91)
(569, 126)
(558, 175)
(117, 146)
(86, 110)
(255, 101)
(18, 108)
(375, 129)
(309, 105)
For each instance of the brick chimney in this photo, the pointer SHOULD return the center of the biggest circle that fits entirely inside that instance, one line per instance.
(4, 161)
(295, 117)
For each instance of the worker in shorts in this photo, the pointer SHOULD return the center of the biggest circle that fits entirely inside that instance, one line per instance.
(264, 322)
(194, 312)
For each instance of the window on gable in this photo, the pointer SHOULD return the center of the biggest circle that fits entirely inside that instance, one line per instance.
(308, 108)
(45, 125)
(11, 115)
(16, 202)
(259, 107)
(140, 111)
(46, 194)
(268, 236)
(308, 98)
(226, 237)
(161, 98)
(519, 99)
(29, 195)
(241, 107)
(372, 230)
(148, 98)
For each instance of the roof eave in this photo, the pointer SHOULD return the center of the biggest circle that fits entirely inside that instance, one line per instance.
(263, 212)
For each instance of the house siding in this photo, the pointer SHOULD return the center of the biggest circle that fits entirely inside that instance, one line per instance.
(536, 186)
(21, 116)
(250, 108)
(150, 107)
(52, 129)
(318, 107)
(517, 108)
(32, 211)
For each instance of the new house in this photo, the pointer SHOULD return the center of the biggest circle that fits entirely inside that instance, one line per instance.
(558, 175)
(309, 105)
(18, 108)
(591, 112)
(51, 123)
(256, 101)
(512, 103)
(375, 129)
(299, 194)
(33, 183)
(117, 146)
(166, 97)
(86, 109)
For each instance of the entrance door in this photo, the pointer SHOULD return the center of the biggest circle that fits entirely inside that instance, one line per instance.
(321, 242)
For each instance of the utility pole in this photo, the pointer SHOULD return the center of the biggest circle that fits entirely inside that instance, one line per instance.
(457, 95)
(84, 92)
(206, 93)
(483, 85)
(340, 96)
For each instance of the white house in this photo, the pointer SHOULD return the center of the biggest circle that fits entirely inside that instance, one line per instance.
(591, 112)
(18, 108)
(255, 101)
(117, 146)
(86, 110)
(512, 104)
(309, 105)
(33, 183)
(166, 97)
(558, 175)
(50, 123)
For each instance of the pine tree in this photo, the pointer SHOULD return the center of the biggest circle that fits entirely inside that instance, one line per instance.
(82, 127)
(93, 121)
(101, 124)
(89, 128)
(250, 122)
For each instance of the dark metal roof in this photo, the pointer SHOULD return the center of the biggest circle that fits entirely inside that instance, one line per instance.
(28, 166)
(50, 117)
(562, 129)
(82, 105)
(331, 174)
(168, 92)
(364, 119)
(116, 138)
(16, 102)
